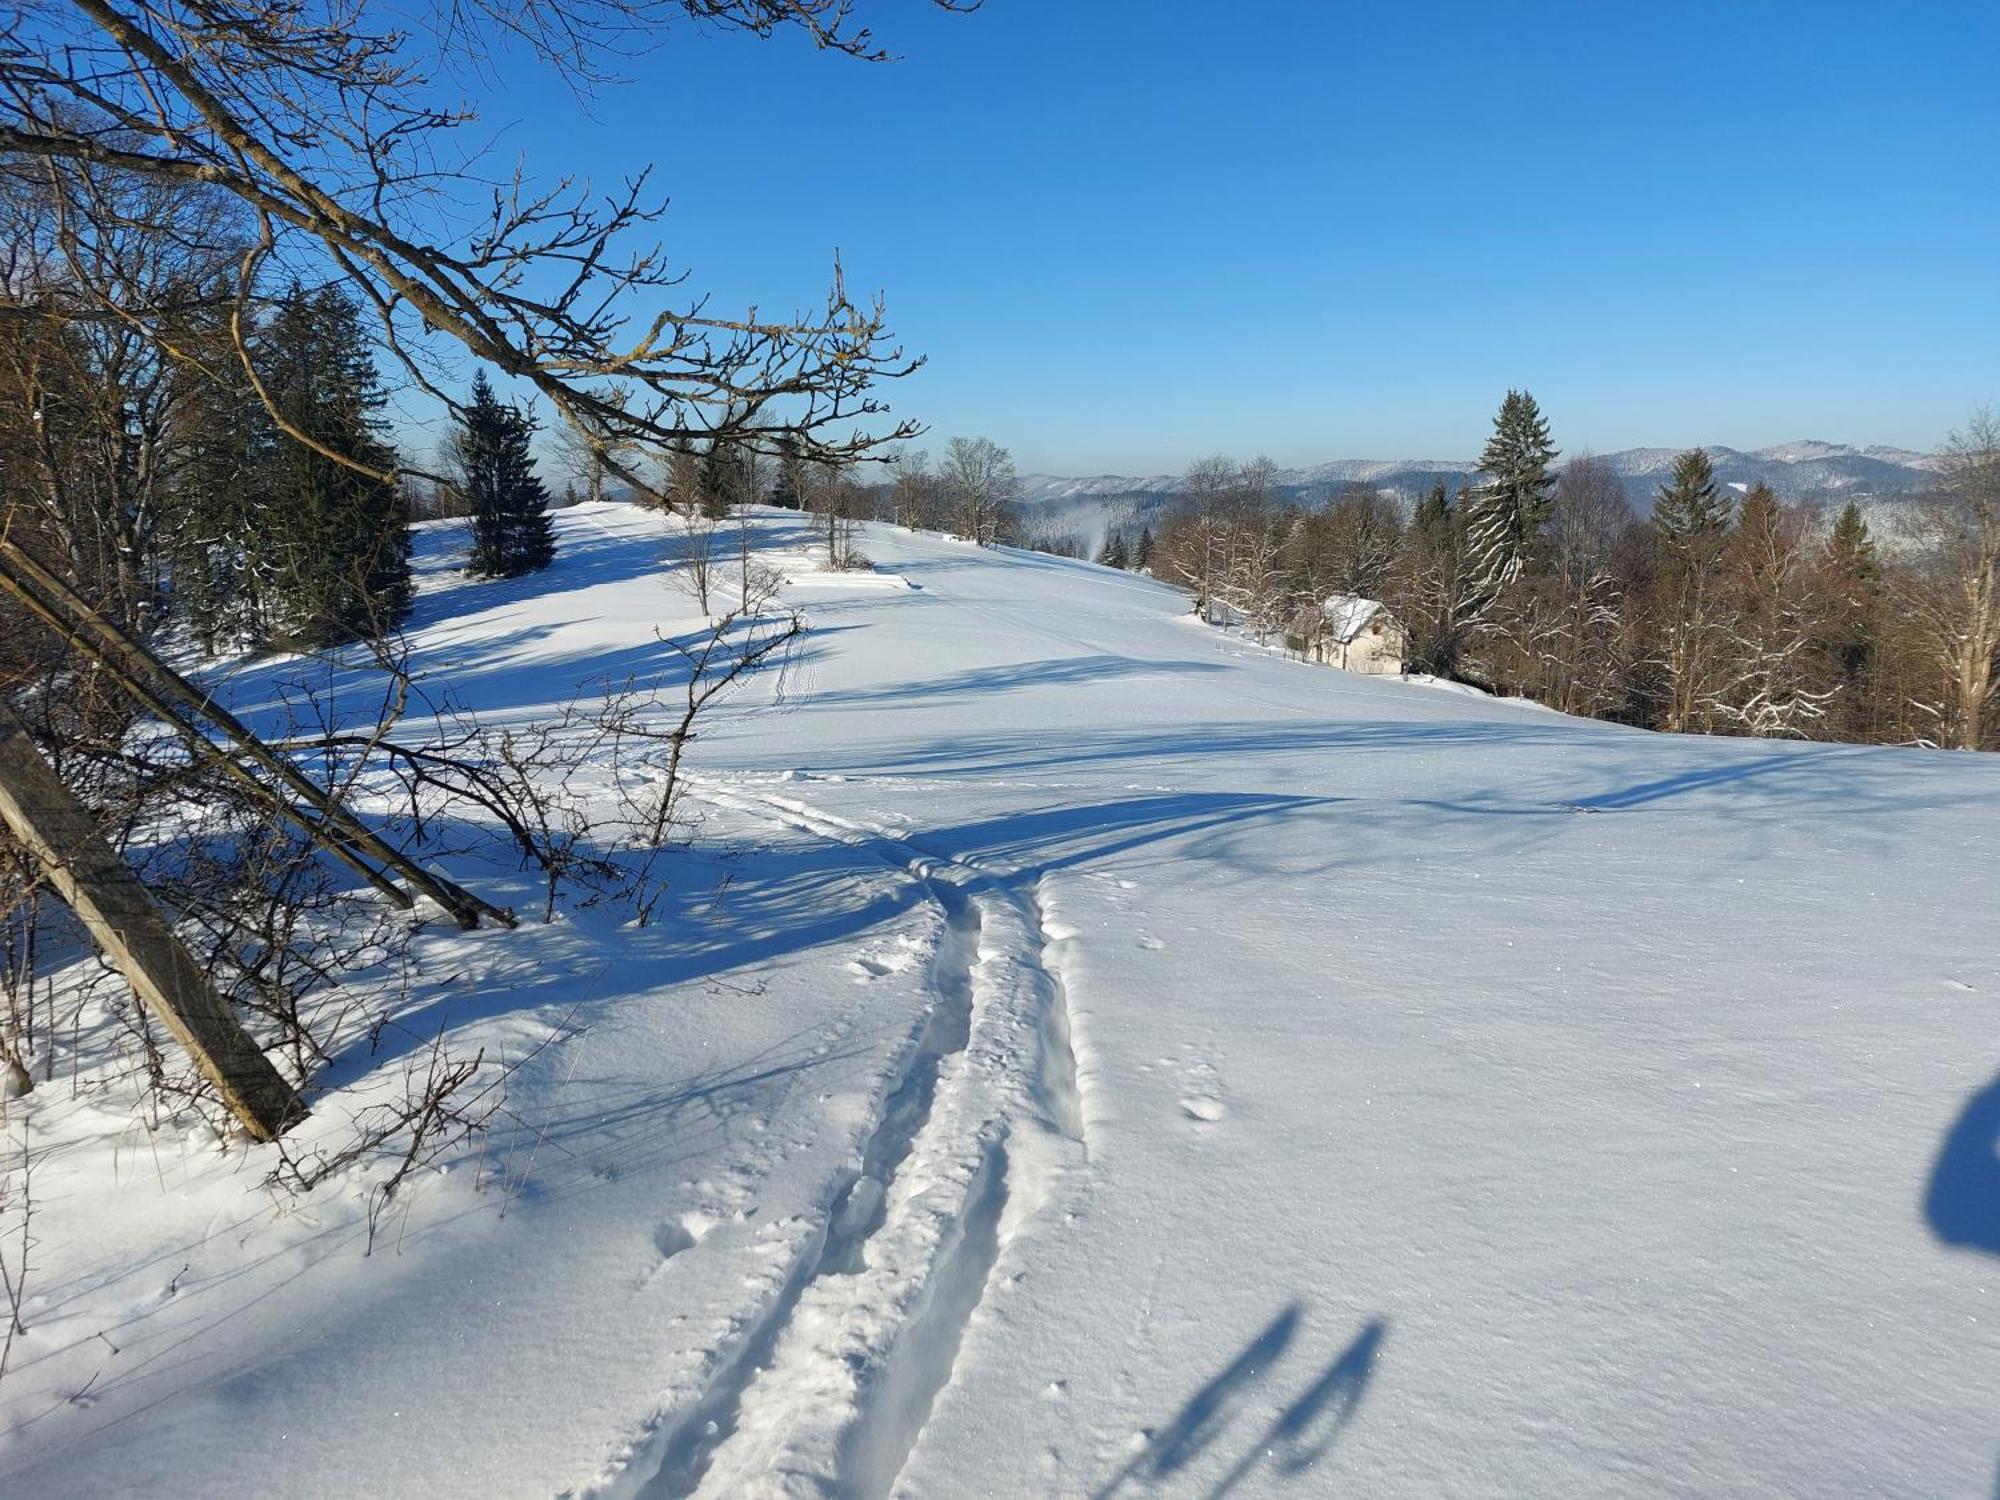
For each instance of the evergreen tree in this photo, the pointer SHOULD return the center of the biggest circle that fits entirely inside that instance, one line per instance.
(1691, 514)
(793, 481)
(1431, 592)
(511, 531)
(1507, 512)
(1691, 518)
(1851, 576)
(327, 551)
(722, 480)
(221, 506)
(1142, 554)
(1112, 553)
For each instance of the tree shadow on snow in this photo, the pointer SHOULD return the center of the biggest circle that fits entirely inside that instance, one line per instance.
(1059, 671)
(1302, 1431)
(762, 903)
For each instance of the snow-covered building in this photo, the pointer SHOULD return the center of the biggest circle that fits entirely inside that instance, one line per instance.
(1354, 634)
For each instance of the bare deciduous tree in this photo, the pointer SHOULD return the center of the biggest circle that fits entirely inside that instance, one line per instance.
(1953, 592)
(331, 136)
(980, 487)
(915, 497)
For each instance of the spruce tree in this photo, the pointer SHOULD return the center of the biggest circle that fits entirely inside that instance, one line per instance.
(511, 531)
(1851, 575)
(327, 554)
(1142, 555)
(1691, 514)
(789, 491)
(1691, 517)
(1507, 512)
(220, 502)
(1432, 525)
(1850, 549)
(1433, 593)
(723, 481)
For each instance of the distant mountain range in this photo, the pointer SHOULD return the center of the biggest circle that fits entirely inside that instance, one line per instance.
(1808, 471)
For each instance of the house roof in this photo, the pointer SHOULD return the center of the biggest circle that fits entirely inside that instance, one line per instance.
(1347, 615)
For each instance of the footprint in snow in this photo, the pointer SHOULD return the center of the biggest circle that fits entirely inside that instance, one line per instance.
(1151, 943)
(673, 1236)
(1202, 1108)
(1201, 1095)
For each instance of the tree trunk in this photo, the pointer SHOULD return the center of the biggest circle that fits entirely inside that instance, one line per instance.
(62, 837)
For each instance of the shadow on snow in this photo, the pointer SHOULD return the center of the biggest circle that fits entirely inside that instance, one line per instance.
(1294, 1440)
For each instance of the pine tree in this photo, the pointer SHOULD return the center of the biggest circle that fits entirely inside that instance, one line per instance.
(1431, 592)
(1851, 576)
(1112, 553)
(1692, 515)
(511, 530)
(327, 554)
(1507, 512)
(789, 492)
(722, 480)
(227, 447)
(1850, 548)
(1142, 555)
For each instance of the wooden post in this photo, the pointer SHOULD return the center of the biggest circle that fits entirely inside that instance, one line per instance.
(128, 928)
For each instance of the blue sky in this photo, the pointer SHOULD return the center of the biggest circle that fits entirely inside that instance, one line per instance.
(1129, 233)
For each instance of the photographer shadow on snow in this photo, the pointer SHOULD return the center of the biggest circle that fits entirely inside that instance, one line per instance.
(1301, 1433)
(1962, 1199)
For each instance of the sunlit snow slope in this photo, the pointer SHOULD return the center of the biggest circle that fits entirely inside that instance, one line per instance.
(1202, 1074)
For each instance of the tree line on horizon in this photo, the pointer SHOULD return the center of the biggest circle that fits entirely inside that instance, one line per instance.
(1715, 614)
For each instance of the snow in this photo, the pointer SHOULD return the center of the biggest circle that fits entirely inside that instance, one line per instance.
(1348, 615)
(1085, 1056)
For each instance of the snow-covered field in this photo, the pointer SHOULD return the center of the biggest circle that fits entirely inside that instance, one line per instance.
(1084, 1055)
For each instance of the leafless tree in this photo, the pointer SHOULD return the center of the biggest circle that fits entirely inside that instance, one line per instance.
(1952, 592)
(1359, 533)
(333, 139)
(1557, 634)
(915, 497)
(1194, 546)
(836, 502)
(697, 556)
(980, 488)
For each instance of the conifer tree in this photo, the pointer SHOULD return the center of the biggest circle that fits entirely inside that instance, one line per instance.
(722, 481)
(1142, 554)
(227, 448)
(1507, 512)
(1851, 577)
(1112, 553)
(327, 551)
(1690, 512)
(1431, 593)
(1691, 518)
(789, 491)
(511, 531)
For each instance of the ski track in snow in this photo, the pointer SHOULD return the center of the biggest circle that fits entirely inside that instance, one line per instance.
(828, 1390)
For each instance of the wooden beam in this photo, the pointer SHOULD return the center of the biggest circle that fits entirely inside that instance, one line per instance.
(129, 929)
(164, 690)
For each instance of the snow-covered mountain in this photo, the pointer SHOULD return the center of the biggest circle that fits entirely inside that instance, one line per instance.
(1807, 470)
